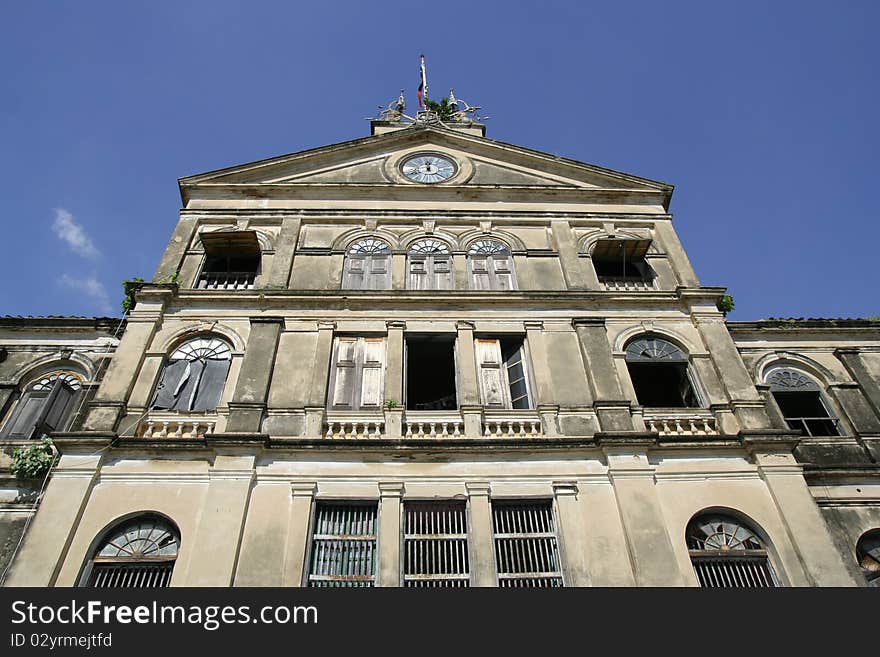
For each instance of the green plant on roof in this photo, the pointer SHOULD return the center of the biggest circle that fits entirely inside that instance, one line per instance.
(445, 110)
(726, 304)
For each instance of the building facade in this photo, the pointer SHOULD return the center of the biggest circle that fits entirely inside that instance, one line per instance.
(428, 358)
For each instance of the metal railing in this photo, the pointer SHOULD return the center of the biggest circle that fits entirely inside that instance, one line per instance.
(746, 570)
(131, 575)
(226, 280)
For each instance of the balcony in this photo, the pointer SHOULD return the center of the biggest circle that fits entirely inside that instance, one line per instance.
(512, 424)
(226, 280)
(626, 283)
(433, 424)
(162, 425)
(681, 422)
(354, 425)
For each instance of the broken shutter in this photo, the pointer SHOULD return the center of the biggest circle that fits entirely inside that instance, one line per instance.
(526, 549)
(343, 550)
(210, 388)
(491, 375)
(166, 391)
(358, 373)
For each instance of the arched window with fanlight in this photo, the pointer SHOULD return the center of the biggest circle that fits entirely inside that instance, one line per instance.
(194, 376)
(429, 264)
(727, 553)
(367, 265)
(490, 265)
(868, 553)
(47, 404)
(137, 553)
(660, 373)
(801, 402)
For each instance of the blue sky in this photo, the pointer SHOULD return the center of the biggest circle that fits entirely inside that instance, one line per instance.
(762, 114)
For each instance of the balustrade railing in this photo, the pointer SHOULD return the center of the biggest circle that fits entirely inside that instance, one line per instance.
(226, 280)
(433, 425)
(176, 427)
(682, 424)
(354, 427)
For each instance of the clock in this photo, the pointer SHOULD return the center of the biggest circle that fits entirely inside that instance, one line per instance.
(428, 168)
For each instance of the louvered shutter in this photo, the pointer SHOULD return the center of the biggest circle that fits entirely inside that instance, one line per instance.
(371, 372)
(57, 407)
(491, 374)
(24, 418)
(345, 373)
(441, 266)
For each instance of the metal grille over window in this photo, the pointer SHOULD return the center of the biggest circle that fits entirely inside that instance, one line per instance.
(343, 546)
(435, 545)
(526, 549)
(139, 554)
(727, 554)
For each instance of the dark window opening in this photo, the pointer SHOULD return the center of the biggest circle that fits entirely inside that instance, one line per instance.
(663, 385)
(622, 260)
(430, 374)
(229, 272)
(804, 411)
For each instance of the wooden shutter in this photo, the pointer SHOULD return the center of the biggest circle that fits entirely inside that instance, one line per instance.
(490, 371)
(502, 272)
(480, 277)
(419, 276)
(430, 272)
(441, 266)
(358, 374)
(344, 373)
(27, 412)
(211, 385)
(353, 278)
(371, 372)
(377, 272)
(57, 407)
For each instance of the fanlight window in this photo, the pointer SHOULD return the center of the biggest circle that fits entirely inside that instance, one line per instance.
(800, 400)
(726, 553)
(367, 265)
(660, 373)
(429, 265)
(194, 377)
(868, 552)
(46, 405)
(139, 553)
(490, 266)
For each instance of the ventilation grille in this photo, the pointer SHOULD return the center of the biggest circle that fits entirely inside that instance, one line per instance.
(526, 549)
(343, 546)
(733, 572)
(131, 575)
(435, 545)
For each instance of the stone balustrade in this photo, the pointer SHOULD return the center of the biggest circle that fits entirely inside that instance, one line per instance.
(354, 427)
(682, 424)
(161, 426)
(433, 425)
(512, 427)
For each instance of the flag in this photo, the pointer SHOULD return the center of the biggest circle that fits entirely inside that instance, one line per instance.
(423, 84)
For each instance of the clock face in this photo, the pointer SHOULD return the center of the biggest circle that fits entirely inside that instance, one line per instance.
(428, 168)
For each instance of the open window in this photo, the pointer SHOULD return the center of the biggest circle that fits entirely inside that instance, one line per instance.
(726, 553)
(621, 262)
(490, 266)
(429, 264)
(358, 374)
(430, 373)
(367, 266)
(801, 403)
(660, 374)
(503, 373)
(194, 376)
(868, 553)
(46, 405)
(232, 260)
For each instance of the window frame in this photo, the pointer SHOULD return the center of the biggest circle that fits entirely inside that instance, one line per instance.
(369, 279)
(504, 373)
(492, 273)
(57, 380)
(807, 384)
(690, 373)
(721, 556)
(195, 393)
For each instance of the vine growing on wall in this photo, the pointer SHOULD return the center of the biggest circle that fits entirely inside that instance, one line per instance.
(34, 461)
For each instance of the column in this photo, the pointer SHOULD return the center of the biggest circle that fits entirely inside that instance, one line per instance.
(248, 404)
(394, 367)
(607, 554)
(48, 537)
(264, 540)
(572, 266)
(317, 395)
(651, 551)
(801, 517)
(481, 538)
(218, 536)
(612, 407)
(389, 533)
(299, 533)
(285, 248)
(468, 387)
(862, 403)
(540, 364)
(571, 534)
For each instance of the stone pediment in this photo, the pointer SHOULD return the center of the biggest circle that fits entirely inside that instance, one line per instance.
(375, 160)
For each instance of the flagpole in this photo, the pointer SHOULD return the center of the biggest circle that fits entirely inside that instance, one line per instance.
(424, 81)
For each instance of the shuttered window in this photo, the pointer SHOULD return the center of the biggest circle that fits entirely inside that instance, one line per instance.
(726, 553)
(490, 266)
(47, 405)
(356, 381)
(343, 551)
(502, 372)
(138, 554)
(526, 547)
(429, 265)
(435, 545)
(367, 266)
(194, 377)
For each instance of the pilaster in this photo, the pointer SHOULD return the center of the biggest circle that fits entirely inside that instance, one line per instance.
(481, 534)
(248, 404)
(390, 494)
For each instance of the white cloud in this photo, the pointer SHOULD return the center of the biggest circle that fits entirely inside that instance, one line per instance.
(92, 288)
(67, 230)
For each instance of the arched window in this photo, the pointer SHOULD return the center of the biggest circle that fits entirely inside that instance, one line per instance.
(194, 376)
(367, 265)
(800, 400)
(429, 265)
(139, 553)
(46, 405)
(726, 553)
(868, 552)
(660, 373)
(490, 266)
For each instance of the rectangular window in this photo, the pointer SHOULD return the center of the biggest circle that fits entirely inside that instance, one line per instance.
(435, 547)
(358, 374)
(430, 271)
(526, 549)
(430, 373)
(343, 552)
(503, 373)
(621, 261)
(232, 260)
